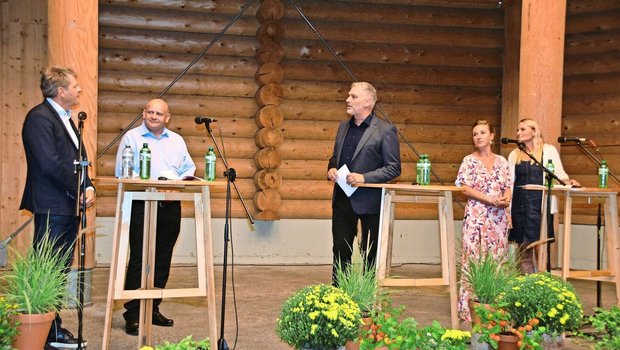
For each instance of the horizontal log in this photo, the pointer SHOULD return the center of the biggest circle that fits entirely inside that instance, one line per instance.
(589, 23)
(391, 53)
(170, 41)
(129, 102)
(190, 84)
(390, 93)
(266, 215)
(607, 62)
(268, 158)
(175, 21)
(590, 84)
(587, 103)
(431, 14)
(396, 74)
(267, 179)
(399, 113)
(578, 7)
(590, 43)
(115, 122)
(385, 32)
(224, 7)
(267, 200)
(146, 61)
(592, 124)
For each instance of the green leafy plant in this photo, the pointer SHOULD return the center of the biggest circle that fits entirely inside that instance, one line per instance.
(488, 277)
(435, 337)
(389, 329)
(607, 326)
(186, 343)
(37, 281)
(359, 281)
(318, 317)
(8, 327)
(546, 298)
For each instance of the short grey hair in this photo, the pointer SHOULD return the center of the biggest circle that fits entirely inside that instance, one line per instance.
(54, 77)
(371, 89)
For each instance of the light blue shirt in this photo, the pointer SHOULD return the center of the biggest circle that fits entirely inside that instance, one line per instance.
(168, 152)
(65, 115)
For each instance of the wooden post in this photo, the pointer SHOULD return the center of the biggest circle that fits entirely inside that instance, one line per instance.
(72, 42)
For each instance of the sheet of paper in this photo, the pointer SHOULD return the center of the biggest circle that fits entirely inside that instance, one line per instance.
(342, 181)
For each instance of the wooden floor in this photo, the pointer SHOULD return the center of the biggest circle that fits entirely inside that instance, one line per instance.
(260, 290)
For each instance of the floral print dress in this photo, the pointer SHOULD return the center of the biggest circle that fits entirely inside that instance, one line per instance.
(485, 228)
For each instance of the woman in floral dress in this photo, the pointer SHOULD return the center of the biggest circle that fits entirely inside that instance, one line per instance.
(485, 176)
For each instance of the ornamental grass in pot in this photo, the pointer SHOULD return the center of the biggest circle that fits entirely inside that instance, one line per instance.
(487, 277)
(37, 285)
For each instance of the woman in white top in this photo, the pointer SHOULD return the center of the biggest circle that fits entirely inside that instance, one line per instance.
(526, 205)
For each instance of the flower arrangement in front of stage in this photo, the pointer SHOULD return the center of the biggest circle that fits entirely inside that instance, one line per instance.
(8, 326)
(318, 317)
(546, 298)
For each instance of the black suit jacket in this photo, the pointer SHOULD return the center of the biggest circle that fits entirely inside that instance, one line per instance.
(50, 152)
(377, 157)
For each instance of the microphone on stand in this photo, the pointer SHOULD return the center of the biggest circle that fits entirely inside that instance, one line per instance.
(204, 120)
(506, 141)
(563, 139)
(82, 116)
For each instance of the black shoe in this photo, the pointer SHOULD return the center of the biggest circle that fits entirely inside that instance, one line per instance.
(131, 327)
(161, 320)
(63, 339)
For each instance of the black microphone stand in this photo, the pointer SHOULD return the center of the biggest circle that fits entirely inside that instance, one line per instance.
(599, 225)
(549, 176)
(230, 175)
(81, 169)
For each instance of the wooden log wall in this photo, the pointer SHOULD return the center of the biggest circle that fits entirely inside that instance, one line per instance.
(591, 99)
(437, 68)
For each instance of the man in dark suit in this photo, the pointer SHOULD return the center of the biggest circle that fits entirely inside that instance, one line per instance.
(369, 147)
(51, 144)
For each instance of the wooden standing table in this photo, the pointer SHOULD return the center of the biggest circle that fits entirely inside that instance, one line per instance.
(407, 193)
(611, 233)
(151, 191)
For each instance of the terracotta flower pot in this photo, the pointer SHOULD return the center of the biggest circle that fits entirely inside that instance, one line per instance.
(508, 342)
(366, 323)
(33, 330)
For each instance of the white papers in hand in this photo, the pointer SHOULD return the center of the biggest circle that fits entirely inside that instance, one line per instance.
(342, 181)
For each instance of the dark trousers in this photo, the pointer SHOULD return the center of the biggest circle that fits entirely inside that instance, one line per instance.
(168, 226)
(344, 230)
(62, 229)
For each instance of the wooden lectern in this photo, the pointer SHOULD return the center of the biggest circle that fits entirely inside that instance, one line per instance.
(612, 274)
(150, 192)
(406, 193)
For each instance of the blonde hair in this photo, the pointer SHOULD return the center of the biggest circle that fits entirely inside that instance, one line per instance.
(369, 88)
(537, 140)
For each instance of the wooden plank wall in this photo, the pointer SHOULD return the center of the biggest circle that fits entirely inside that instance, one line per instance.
(437, 69)
(23, 53)
(591, 102)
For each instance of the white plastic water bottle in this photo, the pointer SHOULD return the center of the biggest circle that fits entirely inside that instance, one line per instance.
(127, 163)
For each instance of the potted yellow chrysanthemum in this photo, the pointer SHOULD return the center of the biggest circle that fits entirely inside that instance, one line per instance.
(318, 317)
(546, 298)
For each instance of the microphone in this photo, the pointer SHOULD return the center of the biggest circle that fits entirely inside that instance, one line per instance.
(204, 120)
(82, 116)
(506, 141)
(563, 139)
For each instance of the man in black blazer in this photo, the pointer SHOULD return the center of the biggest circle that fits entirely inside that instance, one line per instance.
(369, 147)
(51, 144)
